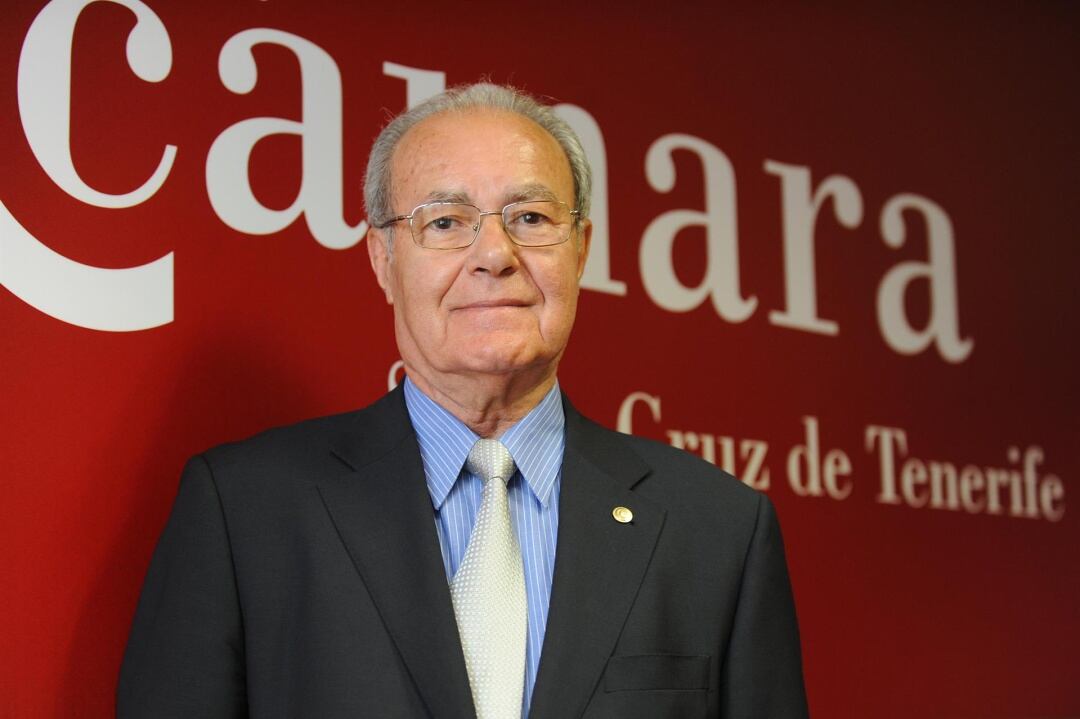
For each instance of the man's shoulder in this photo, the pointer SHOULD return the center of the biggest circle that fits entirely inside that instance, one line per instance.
(666, 471)
(337, 437)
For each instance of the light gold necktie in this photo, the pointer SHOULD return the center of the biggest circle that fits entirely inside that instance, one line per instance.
(488, 592)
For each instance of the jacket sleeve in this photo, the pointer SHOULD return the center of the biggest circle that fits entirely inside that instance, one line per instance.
(185, 654)
(762, 665)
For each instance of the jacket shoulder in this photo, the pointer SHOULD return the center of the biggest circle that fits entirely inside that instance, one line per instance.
(295, 450)
(667, 469)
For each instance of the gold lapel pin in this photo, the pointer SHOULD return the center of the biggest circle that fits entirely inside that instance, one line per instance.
(622, 515)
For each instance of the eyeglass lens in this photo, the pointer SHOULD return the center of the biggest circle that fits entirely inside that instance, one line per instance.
(451, 225)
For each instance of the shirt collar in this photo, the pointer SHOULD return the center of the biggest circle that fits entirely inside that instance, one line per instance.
(536, 443)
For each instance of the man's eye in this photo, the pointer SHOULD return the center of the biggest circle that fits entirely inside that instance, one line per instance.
(444, 223)
(531, 218)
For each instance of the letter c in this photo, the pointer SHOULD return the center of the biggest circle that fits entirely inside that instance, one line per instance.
(45, 93)
(113, 300)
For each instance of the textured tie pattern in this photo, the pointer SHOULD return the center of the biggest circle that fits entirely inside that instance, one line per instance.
(488, 592)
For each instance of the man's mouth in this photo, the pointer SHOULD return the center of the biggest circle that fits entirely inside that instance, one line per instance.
(493, 304)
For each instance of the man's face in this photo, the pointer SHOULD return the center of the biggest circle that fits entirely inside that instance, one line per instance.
(492, 308)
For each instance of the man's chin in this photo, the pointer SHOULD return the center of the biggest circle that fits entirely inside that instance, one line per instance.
(498, 364)
(495, 358)
(513, 324)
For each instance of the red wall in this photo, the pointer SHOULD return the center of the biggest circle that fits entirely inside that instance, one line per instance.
(950, 133)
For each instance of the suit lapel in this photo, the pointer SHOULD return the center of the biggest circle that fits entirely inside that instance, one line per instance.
(599, 566)
(382, 511)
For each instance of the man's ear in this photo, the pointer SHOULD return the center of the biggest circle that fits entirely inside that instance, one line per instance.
(583, 243)
(379, 255)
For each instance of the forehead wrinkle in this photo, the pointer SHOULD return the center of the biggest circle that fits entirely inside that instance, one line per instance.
(529, 191)
(440, 195)
(520, 193)
(419, 155)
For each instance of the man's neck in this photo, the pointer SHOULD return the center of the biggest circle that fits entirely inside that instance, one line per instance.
(487, 404)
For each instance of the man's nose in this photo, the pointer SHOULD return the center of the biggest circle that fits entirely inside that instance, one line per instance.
(493, 251)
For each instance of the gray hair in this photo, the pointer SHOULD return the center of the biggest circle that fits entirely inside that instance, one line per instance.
(458, 99)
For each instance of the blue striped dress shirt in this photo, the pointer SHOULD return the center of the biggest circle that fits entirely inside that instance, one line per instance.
(536, 443)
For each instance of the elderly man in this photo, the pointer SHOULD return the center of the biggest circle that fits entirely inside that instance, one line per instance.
(469, 545)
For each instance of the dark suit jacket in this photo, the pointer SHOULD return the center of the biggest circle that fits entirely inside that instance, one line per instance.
(299, 575)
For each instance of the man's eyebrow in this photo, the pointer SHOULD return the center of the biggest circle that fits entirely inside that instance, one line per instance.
(448, 196)
(530, 191)
(521, 193)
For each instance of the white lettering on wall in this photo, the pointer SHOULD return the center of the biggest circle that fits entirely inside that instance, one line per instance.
(597, 275)
(112, 300)
(1017, 490)
(749, 466)
(800, 213)
(721, 280)
(810, 474)
(625, 421)
(142, 297)
(939, 270)
(320, 197)
(419, 84)
(395, 375)
(45, 93)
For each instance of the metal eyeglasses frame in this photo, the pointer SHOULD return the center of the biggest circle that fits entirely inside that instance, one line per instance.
(575, 214)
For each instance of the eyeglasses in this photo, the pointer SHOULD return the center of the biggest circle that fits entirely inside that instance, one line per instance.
(454, 225)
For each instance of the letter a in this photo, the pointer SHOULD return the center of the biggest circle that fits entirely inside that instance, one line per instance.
(939, 271)
(320, 195)
(721, 279)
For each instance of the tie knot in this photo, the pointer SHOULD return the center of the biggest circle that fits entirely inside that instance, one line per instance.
(489, 459)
